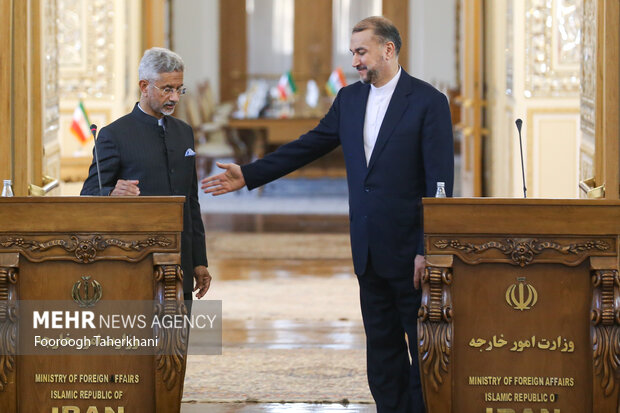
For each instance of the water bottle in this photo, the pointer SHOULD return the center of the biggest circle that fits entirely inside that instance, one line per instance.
(441, 190)
(7, 190)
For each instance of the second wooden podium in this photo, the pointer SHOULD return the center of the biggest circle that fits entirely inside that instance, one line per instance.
(521, 306)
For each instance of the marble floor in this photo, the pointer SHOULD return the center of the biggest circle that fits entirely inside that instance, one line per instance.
(283, 334)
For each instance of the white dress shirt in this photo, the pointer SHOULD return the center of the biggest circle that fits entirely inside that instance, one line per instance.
(378, 101)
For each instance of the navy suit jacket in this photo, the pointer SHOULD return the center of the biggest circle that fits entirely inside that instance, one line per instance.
(136, 147)
(414, 151)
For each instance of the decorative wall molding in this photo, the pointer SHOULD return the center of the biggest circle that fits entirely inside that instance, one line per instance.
(606, 323)
(87, 50)
(542, 140)
(85, 249)
(586, 159)
(525, 251)
(509, 49)
(553, 40)
(588, 70)
(99, 48)
(51, 96)
(588, 91)
(435, 324)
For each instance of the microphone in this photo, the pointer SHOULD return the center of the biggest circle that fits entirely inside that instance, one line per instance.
(93, 130)
(519, 123)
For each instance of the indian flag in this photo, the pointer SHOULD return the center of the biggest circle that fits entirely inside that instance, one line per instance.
(80, 126)
(286, 86)
(335, 82)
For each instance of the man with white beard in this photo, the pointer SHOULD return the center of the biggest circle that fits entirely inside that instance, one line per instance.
(149, 152)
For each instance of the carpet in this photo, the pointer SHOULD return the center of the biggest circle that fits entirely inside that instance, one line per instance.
(307, 357)
(301, 299)
(223, 245)
(301, 375)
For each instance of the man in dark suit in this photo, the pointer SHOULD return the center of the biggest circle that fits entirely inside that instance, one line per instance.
(396, 135)
(149, 152)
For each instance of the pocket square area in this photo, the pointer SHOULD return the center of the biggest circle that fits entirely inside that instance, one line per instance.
(190, 152)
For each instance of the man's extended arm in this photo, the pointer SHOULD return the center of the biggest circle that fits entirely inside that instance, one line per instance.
(287, 158)
(228, 181)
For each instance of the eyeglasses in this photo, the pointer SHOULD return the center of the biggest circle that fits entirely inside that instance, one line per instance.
(167, 91)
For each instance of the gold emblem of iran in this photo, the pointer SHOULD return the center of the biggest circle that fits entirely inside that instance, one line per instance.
(83, 296)
(521, 296)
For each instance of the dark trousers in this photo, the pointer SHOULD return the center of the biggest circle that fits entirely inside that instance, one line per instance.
(389, 310)
(189, 299)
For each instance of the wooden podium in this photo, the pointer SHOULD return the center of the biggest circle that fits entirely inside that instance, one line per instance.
(130, 247)
(521, 306)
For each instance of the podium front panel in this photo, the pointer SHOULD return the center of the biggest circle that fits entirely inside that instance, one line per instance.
(522, 337)
(520, 306)
(87, 253)
(49, 380)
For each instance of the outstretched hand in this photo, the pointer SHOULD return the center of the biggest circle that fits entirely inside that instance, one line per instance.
(228, 181)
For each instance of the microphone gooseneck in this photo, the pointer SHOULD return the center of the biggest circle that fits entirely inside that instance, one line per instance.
(93, 130)
(519, 123)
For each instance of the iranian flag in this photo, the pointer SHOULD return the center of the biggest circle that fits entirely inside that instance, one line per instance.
(335, 82)
(286, 86)
(80, 125)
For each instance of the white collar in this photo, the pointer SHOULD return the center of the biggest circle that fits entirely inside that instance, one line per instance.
(389, 87)
(160, 121)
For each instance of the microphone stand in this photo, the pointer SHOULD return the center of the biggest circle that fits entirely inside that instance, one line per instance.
(519, 122)
(93, 130)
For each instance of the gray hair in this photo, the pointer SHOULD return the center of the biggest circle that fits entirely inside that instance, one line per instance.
(158, 60)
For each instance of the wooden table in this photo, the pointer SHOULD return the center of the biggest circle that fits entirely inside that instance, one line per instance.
(270, 131)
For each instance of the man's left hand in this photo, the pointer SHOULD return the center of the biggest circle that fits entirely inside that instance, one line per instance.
(203, 280)
(419, 265)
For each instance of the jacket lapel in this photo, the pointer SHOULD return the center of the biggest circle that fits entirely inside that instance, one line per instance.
(359, 117)
(396, 109)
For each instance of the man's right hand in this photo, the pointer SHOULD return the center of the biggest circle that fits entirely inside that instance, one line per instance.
(228, 181)
(126, 188)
